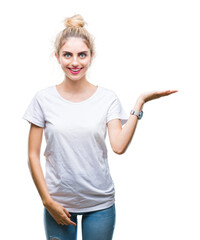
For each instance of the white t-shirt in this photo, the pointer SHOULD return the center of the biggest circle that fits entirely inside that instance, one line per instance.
(77, 170)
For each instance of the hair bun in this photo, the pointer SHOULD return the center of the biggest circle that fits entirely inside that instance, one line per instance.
(75, 21)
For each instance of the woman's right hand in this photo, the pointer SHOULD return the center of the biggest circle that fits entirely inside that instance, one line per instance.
(59, 213)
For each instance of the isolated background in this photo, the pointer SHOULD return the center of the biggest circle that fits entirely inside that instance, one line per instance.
(141, 46)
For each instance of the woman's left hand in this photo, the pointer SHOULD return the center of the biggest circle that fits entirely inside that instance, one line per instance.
(148, 96)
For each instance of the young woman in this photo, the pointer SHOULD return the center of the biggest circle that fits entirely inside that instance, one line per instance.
(75, 116)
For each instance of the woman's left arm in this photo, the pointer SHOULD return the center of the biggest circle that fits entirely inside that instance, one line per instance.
(120, 138)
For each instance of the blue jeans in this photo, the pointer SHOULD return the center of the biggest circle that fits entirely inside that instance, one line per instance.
(96, 225)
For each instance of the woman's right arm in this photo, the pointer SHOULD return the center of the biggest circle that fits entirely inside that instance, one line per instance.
(58, 212)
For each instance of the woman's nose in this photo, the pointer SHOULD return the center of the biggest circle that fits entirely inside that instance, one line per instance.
(75, 61)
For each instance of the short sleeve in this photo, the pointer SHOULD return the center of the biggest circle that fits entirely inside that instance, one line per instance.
(116, 111)
(34, 113)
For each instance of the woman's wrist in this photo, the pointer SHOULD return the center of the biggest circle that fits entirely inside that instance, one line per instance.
(48, 202)
(141, 100)
(139, 104)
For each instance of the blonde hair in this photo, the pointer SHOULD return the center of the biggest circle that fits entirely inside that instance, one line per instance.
(74, 27)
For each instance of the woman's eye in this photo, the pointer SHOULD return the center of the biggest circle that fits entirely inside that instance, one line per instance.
(67, 54)
(83, 54)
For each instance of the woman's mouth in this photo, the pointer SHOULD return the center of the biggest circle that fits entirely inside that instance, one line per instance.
(75, 70)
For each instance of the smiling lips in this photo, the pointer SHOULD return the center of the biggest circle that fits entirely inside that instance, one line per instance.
(75, 70)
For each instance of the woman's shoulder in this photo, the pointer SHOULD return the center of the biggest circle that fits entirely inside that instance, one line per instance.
(109, 92)
(44, 91)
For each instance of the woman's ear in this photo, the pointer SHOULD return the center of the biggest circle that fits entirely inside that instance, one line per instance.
(57, 57)
(91, 60)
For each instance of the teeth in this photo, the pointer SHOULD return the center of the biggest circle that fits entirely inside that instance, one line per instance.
(75, 70)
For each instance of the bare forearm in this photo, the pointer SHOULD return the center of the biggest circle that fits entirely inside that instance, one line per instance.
(39, 180)
(127, 132)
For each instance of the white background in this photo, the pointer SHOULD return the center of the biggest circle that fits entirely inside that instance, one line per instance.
(141, 46)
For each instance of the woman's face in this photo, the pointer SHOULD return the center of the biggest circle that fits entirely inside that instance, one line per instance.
(74, 55)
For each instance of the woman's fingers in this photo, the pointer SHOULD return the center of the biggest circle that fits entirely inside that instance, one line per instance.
(67, 219)
(71, 222)
(148, 96)
(68, 214)
(172, 91)
(168, 92)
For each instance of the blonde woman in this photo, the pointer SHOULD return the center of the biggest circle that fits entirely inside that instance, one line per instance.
(75, 116)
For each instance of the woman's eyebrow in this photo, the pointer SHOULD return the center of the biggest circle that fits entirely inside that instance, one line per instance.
(79, 52)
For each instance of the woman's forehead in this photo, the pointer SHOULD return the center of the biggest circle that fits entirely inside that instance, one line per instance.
(74, 44)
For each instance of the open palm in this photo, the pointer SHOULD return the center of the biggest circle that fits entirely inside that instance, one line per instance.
(148, 96)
